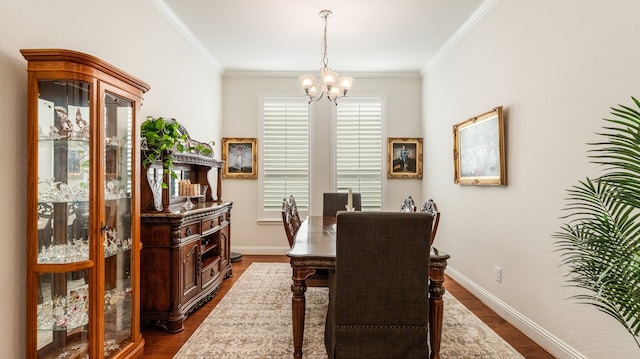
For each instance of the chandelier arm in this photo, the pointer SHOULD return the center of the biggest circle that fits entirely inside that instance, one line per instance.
(316, 98)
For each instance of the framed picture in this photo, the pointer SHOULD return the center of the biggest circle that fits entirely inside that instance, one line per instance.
(479, 151)
(404, 158)
(240, 156)
(75, 162)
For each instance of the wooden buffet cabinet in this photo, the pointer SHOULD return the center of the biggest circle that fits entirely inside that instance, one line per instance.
(186, 249)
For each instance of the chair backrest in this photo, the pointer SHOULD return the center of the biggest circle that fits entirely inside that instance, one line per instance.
(332, 202)
(379, 301)
(294, 211)
(430, 207)
(290, 218)
(408, 205)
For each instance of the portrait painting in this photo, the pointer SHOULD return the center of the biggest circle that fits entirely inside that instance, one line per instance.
(404, 158)
(240, 158)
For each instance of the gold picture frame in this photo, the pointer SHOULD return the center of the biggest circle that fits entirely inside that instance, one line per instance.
(404, 157)
(479, 150)
(240, 157)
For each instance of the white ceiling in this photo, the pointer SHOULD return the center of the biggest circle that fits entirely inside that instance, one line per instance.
(286, 35)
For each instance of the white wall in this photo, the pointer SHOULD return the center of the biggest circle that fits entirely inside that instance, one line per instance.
(131, 35)
(241, 106)
(556, 67)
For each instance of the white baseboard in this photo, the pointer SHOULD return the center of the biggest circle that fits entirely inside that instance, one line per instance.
(542, 337)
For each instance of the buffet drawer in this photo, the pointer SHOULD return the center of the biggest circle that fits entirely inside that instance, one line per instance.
(210, 223)
(190, 230)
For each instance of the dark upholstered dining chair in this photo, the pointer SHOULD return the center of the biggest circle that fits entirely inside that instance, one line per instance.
(430, 207)
(333, 202)
(378, 293)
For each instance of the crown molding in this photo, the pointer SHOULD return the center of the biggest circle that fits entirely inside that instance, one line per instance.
(459, 34)
(296, 74)
(175, 20)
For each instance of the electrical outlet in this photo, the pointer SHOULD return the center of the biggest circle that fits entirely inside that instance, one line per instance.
(497, 271)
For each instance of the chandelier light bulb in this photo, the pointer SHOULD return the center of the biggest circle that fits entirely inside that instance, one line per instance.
(329, 77)
(307, 81)
(345, 84)
(313, 91)
(334, 92)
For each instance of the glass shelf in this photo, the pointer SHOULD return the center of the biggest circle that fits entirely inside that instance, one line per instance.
(53, 140)
(65, 312)
(76, 251)
(114, 245)
(63, 193)
(70, 312)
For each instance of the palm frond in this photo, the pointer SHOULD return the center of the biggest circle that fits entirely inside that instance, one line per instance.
(600, 242)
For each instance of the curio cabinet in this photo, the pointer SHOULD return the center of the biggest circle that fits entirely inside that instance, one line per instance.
(83, 251)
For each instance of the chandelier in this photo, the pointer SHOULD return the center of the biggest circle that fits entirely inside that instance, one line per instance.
(333, 86)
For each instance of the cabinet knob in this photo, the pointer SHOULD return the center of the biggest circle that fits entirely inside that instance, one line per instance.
(188, 231)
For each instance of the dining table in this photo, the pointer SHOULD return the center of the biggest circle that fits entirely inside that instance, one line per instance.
(314, 251)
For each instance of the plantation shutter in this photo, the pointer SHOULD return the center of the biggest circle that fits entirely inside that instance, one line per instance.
(285, 154)
(359, 162)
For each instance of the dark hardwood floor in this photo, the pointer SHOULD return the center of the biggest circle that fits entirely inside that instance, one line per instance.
(159, 344)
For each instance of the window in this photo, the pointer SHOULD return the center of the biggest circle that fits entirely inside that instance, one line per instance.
(359, 149)
(285, 151)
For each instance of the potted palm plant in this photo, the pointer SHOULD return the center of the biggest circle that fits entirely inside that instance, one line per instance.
(600, 242)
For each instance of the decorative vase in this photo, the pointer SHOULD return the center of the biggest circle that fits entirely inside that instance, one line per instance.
(155, 177)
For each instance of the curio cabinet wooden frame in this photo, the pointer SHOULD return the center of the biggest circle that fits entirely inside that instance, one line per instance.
(83, 227)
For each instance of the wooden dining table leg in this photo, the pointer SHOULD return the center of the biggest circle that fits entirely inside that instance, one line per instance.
(437, 265)
(298, 307)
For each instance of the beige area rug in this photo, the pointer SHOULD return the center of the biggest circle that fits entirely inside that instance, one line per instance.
(253, 320)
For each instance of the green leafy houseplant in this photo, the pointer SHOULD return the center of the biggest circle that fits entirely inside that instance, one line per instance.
(600, 244)
(161, 138)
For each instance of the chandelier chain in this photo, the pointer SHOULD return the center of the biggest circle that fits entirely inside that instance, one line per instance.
(325, 58)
